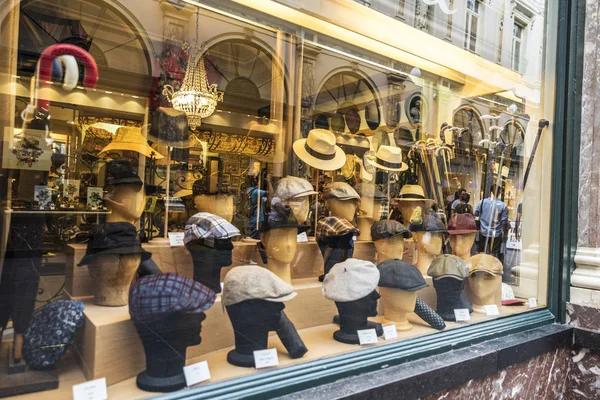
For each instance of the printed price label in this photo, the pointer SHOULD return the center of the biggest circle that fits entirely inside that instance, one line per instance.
(176, 239)
(367, 336)
(71, 206)
(94, 208)
(533, 302)
(196, 373)
(266, 358)
(390, 332)
(91, 390)
(462, 314)
(302, 238)
(491, 310)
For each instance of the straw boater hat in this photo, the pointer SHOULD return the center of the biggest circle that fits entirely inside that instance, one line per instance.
(320, 151)
(388, 158)
(130, 138)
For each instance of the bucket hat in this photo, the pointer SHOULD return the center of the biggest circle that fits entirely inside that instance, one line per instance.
(388, 228)
(251, 282)
(131, 138)
(388, 158)
(448, 266)
(282, 216)
(120, 172)
(155, 296)
(113, 238)
(398, 274)
(320, 151)
(170, 128)
(485, 263)
(292, 187)
(208, 227)
(460, 224)
(350, 280)
(342, 191)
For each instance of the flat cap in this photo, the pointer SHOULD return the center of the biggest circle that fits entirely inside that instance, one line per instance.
(292, 187)
(388, 228)
(350, 280)
(342, 191)
(251, 282)
(428, 223)
(398, 274)
(281, 216)
(486, 263)
(154, 296)
(205, 225)
(448, 266)
(335, 226)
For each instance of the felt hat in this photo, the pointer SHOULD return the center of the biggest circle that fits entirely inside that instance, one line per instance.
(341, 191)
(462, 223)
(427, 223)
(207, 226)
(251, 282)
(154, 296)
(113, 238)
(388, 228)
(486, 263)
(388, 158)
(282, 216)
(350, 280)
(51, 333)
(448, 266)
(131, 138)
(292, 187)
(320, 151)
(170, 128)
(403, 136)
(120, 172)
(398, 274)
(335, 226)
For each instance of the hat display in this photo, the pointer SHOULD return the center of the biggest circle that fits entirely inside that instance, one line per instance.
(154, 296)
(205, 225)
(131, 138)
(282, 216)
(251, 282)
(113, 238)
(460, 224)
(388, 228)
(51, 333)
(388, 158)
(170, 128)
(486, 263)
(403, 136)
(448, 266)
(342, 191)
(120, 172)
(411, 192)
(427, 223)
(398, 274)
(292, 187)
(335, 226)
(320, 151)
(350, 280)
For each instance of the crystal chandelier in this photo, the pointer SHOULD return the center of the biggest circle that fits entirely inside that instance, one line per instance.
(196, 97)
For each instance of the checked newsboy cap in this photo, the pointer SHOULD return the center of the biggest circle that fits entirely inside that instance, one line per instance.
(398, 274)
(388, 228)
(155, 296)
(205, 225)
(251, 282)
(350, 280)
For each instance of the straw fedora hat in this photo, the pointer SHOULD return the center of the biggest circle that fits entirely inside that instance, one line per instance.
(130, 138)
(412, 193)
(388, 158)
(320, 151)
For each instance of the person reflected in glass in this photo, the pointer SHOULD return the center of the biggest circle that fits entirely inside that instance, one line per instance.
(493, 223)
(463, 207)
(257, 196)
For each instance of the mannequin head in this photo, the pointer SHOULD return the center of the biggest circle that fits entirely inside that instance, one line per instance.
(389, 248)
(354, 316)
(342, 208)
(483, 287)
(124, 203)
(397, 303)
(218, 204)
(295, 192)
(208, 262)
(462, 244)
(429, 246)
(281, 246)
(300, 207)
(113, 274)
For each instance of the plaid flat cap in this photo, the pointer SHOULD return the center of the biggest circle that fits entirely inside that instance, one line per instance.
(153, 296)
(335, 226)
(208, 226)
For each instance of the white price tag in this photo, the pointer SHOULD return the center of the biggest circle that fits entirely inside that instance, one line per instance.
(91, 390)
(491, 310)
(176, 239)
(533, 302)
(196, 373)
(389, 332)
(302, 238)
(462, 314)
(367, 336)
(41, 208)
(94, 208)
(71, 206)
(266, 358)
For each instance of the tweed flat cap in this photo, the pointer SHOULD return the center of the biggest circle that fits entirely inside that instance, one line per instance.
(486, 263)
(398, 274)
(251, 282)
(388, 228)
(350, 280)
(448, 266)
(335, 226)
(205, 225)
(292, 187)
(428, 223)
(342, 191)
(51, 333)
(153, 296)
(282, 216)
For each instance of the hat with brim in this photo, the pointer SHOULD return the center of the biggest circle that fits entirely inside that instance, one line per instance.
(388, 158)
(170, 128)
(118, 238)
(341, 191)
(398, 274)
(350, 280)
(292, 187)
(429, 224)
(120, 172)
(129, 138)
(448, 266)
(251, 282)
(485, 263)
(388, 228)
(461, 224)
(320, 151)
(412, 193)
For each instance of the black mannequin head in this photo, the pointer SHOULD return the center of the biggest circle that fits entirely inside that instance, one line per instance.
(354, 316)
(450, 297)
(208, 262)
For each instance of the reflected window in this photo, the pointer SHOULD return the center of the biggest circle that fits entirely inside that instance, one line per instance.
(471, 25)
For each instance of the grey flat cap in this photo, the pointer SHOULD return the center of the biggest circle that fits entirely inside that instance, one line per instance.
(398, 274)
(251, 282)
(448, 266)
(350, 280)
(293, 187)
(342, 191)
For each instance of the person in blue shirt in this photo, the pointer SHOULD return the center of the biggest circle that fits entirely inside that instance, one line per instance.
(254, 197)
(493, 223)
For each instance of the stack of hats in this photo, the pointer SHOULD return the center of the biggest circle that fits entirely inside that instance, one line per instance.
(208, 228)
(251, 282)
(113, 238)
(282, 216)
(350, 280)
(461, 224)
(388, 228)
(291, 188)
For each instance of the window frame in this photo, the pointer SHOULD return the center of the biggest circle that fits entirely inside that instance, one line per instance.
(472, 13)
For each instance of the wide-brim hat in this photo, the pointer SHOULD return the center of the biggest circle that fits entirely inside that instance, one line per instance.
(412, 193)
(251, 282)
(486, 263)
(292, 187)
(118, 238)
(130, 138)
(170, 128)
(388, 158)
(350, 280)
(398, 274)
(320, 151)
(448, 266)
(460, 224)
